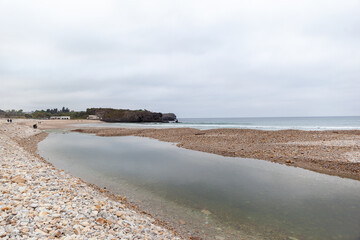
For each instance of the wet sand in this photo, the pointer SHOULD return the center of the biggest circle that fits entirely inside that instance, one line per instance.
(331, 152)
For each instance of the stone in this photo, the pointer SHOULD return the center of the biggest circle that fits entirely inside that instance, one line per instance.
(64, 222)
(182, 222)
(34, 205)
(77, 230)
(43, 214)
(292, 238)
(25, 230)
(85, 224)
(18, 179)
(101, 221)
(206, 212)
(5, 208)
(41, 232)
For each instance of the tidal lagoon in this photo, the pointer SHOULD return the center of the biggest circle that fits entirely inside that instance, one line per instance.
(228, 195)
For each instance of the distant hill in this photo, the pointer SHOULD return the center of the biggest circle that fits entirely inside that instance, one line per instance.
(126, 115)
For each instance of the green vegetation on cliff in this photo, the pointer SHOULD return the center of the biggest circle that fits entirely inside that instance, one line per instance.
(12, 113)
(41, 114)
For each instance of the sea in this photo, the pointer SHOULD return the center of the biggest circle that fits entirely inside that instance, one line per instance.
(260, 123)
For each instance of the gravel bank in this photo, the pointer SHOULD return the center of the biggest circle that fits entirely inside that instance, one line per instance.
(38, 201)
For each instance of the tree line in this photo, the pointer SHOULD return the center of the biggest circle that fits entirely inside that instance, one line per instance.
(44, 114)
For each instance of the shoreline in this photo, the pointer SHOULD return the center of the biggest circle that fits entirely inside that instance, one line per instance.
(330, 152)
(45, 202)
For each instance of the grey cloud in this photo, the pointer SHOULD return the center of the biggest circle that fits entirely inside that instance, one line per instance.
(196, 58)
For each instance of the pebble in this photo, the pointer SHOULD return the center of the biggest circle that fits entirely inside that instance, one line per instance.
(43, 214)
(34, 205)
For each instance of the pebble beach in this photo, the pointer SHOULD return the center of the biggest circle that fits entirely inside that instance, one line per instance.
(38, 201)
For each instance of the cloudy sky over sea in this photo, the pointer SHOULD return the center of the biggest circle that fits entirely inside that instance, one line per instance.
(195, 58)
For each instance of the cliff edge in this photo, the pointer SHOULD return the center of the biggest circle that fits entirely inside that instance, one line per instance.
(131, 116)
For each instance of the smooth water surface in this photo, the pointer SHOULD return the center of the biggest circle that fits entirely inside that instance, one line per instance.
(242, 193)
(264, 123)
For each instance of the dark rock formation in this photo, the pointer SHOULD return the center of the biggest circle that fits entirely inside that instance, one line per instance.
(169, 117)
(125, 115)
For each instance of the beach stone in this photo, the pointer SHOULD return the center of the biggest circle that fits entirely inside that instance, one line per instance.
(5, 208)
(101, 221)
(25, 230)
(77, 230)
(57, 234)
(34, 205)
(292, 238)
(18, 179)
(85, 224)
(182, 222)
(40, 232)
(206, 212)
(43, 214)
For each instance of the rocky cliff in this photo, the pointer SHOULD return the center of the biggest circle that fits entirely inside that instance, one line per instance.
(126, 115)
(169, 117)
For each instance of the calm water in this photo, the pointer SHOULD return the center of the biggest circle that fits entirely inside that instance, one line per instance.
(272, 199)
(275, 123)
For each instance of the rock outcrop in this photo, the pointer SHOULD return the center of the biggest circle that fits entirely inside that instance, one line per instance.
(126, 115)
(169, 117)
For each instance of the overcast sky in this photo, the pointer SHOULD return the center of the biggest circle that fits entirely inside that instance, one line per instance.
(194, 58)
